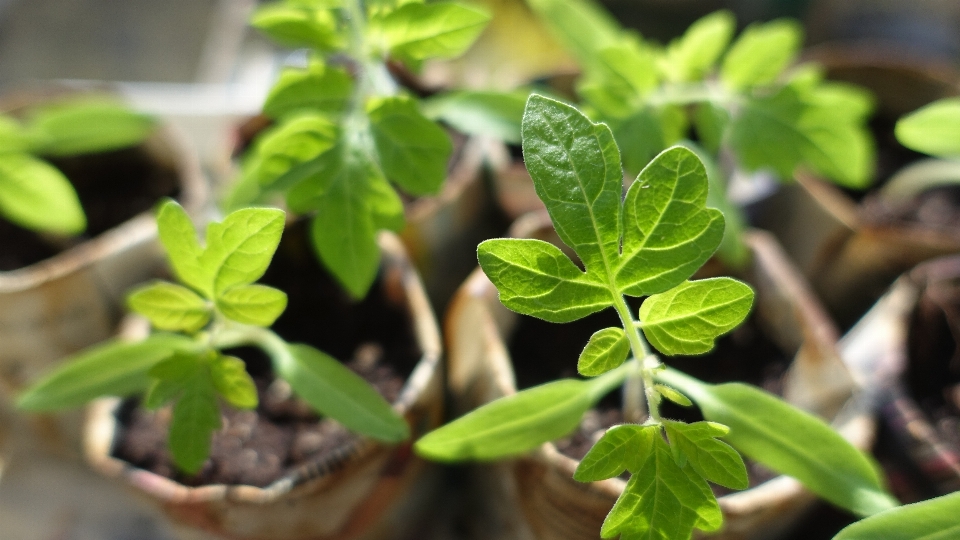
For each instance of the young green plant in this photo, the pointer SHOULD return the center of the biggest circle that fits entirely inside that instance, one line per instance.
(217, 305)
(33, 193)
(743, 100)
(345, 129)
(646, 244)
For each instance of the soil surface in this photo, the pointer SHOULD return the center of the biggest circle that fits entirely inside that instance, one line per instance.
(113, 187)
(258, 447)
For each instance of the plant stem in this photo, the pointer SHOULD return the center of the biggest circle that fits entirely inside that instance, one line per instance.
(640, 380)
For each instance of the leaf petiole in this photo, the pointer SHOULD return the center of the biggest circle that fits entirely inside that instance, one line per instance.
(641, 378)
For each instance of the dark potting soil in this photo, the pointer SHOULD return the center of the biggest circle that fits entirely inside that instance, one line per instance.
(543, 351)
(112, 186)
(258, 447)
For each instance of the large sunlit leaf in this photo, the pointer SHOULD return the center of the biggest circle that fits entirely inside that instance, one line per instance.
(934, 519)
(789, 441)
(37, 196)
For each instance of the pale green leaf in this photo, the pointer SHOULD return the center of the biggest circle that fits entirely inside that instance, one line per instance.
(477, 112)
(37, 196)
(258, 305)
(934, 519)
(230, 378)
(668, 230)
(14, 139)
(789, 441)
(170, 307)
(317, 88)
(239, 248)
(761, 53)
(111, 368)
(179, 239)
(575, 166)
(934, 129)
(87, 126)
(536, 278)
(606, 350)
(688, 318)
(286, 153)
(196, 415)
(662, 500)
(298, 26)
(413, 150)
(672, 395)
(623, 447)
(333, 390)
(582, 26)
(442, 30)
(713, 459)
(692, 55)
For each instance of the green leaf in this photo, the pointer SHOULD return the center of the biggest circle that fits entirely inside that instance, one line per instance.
(935, 519)
(111, 368)
(789, 441)
(575, 166)
(668, 230)
(647, 132)
(335, 391)
(692, 55)
(711, 121)
(230, 378)
(179, 367)
(582, 26)
(352, 200)
(620, 74)
(761, 53)
(672, 395)
(623, 447)
(196, 415)
(713, 459)
(87, 126)
(477, 112)
(317, 88)
(258, 305)
(662, 500)
(285, 153)
(516, 424)
(298, 26)
(179, 240)
(413, 150)
(934, 129)
(36, 195)
(170, 307)
(606, 350)
(239, 248)
(15, 140)
(161, 392)
(442, 30)
(535, 278)
(688, 318)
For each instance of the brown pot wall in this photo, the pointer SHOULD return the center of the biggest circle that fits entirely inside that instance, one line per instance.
(366, 491)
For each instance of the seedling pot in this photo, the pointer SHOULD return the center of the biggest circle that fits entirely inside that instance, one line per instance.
(851, 251)
(535, 496)
(73, 299)
(363, 489)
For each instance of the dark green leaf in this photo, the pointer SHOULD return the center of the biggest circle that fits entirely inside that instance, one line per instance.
(413, 150)
(668, 230)
(623, 447)
(934, 129)
(196, 415)
(37, 196)
(335, 391)
(112, 368)
(487, 113)
(87, 126)
(240, 248)
(170, 307)
(230, 378)
(298, 26)
(317, 88)
(442, 30)
(688, 318)
(606, 350)
(934, 519)
(761, 53)
(713, 459)
(252, 304)
(789, 441)
(575, 166)
(179, 240)
(536, 278)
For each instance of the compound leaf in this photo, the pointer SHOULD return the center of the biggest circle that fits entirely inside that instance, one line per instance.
(230, 378)
(688, 318)
(713, 459)
(933, 129)
(413, 150)
(606, 350)
(934, 519)
(239, 248)
(255, 304)
(621, 448)
(668, 230)
(38, 196)
(170, 306)
(761, 53)
(443, 30)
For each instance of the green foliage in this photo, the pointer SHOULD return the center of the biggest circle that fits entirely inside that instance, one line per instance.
(935, 519)
(344, 135)
(33, 193)
(646, 243)
(491, 114)
(218, 306)
(934, 129)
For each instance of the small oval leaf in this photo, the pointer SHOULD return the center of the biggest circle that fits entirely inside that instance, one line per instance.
(170, 307)
(258, 305)
(934, 129)
(606, 350)
(621, 448)
(230, 378)
(36, 195)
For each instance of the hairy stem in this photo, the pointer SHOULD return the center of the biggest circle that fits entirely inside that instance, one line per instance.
(640, 380)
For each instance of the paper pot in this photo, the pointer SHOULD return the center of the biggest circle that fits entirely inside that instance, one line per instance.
(535, 496)
(366, 490)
